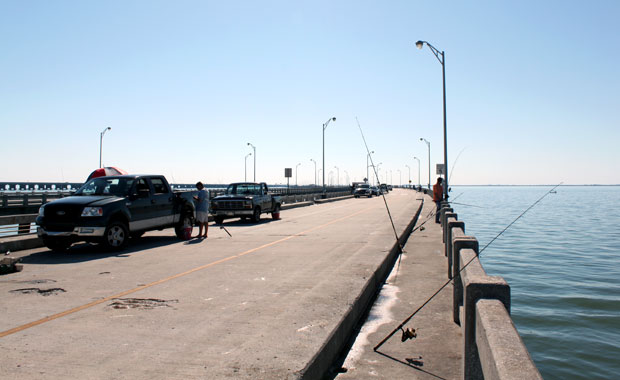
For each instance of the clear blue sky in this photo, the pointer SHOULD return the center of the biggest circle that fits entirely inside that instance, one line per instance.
(532, 89)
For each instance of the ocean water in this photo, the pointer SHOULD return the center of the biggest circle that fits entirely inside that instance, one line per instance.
(562, 261)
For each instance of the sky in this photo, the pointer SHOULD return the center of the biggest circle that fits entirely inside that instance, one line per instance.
(531, 87)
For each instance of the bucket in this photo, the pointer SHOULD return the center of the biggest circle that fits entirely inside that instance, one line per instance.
(276, 215)
(187, 232)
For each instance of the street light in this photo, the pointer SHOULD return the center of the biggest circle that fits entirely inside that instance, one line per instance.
(101, 143)
(296, 166)
(253, 147)
(442, 60)
(314, 171)
(377, 173)
(246, 166)
(407, 166)
(400, 177)
(415, 158)
(429, 160)
(324, 127)
(347, 176)
(337, 178)
(367, 157)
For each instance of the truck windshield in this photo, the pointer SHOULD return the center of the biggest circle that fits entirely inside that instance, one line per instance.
(106, 186)
(243, 189)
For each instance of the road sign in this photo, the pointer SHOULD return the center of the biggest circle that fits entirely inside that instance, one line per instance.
(288, 172)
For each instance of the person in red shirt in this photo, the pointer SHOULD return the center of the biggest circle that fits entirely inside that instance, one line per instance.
(438, 196)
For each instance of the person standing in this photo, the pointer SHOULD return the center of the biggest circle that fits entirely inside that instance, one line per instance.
(202, 209)
(438, 197)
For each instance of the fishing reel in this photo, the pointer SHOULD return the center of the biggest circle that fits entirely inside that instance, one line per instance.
(408, 334)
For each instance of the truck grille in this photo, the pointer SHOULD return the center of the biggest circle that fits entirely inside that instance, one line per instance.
(62, 213)
(230, 205)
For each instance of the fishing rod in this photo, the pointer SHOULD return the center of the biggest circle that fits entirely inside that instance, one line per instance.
(465, 204)
(410, 333)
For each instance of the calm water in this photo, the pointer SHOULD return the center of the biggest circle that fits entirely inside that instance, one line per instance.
(562, 261)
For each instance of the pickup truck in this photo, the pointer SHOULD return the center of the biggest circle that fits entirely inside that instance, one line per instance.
(109, 210)
(244, 200)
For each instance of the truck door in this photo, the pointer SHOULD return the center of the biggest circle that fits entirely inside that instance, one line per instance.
(139, 205)
(267, 202)
(163, 203)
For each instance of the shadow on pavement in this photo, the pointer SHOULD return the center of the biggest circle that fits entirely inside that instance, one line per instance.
(81, 252)
(411, 363)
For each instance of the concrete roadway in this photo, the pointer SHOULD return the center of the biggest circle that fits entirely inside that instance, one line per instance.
(258, 305)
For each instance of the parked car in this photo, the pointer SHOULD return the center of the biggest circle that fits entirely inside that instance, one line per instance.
(245, 200)
(108, 210)
(375, 190)
(362, 191)
(384, 188)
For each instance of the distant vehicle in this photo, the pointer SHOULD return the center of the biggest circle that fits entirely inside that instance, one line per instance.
(245, 200)
(384, 188)
(375, 190)
(362, 190)
(390, 188)
(108, 210)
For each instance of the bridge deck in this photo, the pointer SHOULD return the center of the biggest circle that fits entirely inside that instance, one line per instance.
(258, 305)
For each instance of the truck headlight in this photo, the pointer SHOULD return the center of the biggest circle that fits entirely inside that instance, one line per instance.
(42, 211)
(92, 211)
(247, 204)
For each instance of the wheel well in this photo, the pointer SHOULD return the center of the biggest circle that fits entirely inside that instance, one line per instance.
(119, 218)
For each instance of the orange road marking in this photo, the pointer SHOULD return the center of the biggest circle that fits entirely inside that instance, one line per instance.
(126, 292)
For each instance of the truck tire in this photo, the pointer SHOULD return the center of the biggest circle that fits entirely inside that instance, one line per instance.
(116, 236)
(57, 245)
(256, 215)
(179, 229)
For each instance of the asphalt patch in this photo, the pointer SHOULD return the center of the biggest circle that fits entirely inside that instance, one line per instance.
(43, 292)
(140, 303)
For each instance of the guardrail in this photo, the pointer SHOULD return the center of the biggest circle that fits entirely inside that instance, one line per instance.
(492, 347)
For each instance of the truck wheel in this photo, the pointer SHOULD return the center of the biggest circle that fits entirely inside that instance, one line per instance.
(256, 215)
(116, 236)
(179, 230)
(218, 219)
(57, 245)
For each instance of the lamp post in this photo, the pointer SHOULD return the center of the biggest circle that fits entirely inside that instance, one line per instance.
(296, 166)
(314, 171)
(338, 177)
(347, 177)
(391, 178)
(415, 158)
(442, 60)
(367, 157)
(324, 127)
(409, 183)
(429, 160)
(319, 173)
(253, 147)
(101, 143)
(246, 167)
(377, 173)
(400, 177)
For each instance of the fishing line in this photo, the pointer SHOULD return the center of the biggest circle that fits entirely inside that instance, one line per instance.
(465, 204)
(454, 164)
(407, 334)
(374, 169)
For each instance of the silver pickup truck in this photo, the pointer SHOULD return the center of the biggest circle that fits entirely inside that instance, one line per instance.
(245, 200)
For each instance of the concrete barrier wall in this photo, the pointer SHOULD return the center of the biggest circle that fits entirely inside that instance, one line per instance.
(492, 347)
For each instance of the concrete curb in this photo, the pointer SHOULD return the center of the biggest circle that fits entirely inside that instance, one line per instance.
(327, 200)
(320, 364)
